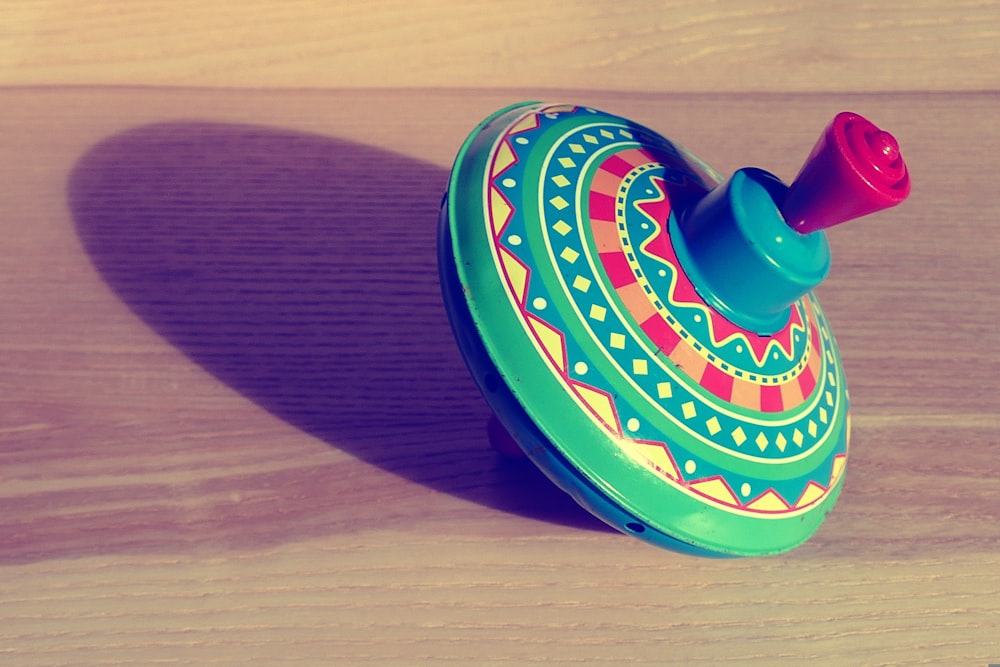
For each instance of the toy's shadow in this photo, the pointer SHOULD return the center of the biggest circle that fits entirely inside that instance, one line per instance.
(300, 270)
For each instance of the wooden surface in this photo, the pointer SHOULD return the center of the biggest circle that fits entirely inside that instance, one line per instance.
(635, 45)
(235, 428)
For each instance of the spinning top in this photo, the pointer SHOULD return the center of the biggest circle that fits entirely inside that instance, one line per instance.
(646, 333)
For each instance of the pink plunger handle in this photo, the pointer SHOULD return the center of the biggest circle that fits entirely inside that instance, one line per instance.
(854, 169)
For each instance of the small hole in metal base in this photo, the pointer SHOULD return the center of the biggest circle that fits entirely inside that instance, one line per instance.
(635, 527)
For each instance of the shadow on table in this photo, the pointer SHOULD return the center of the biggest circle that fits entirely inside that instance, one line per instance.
(300, 270)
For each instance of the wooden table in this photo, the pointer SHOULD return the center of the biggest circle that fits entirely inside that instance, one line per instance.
(235, 428)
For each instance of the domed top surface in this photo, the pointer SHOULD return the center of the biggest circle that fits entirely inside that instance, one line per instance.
(562, 226)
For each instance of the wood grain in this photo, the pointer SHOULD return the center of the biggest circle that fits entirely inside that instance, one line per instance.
(235, 429)
(633, 45)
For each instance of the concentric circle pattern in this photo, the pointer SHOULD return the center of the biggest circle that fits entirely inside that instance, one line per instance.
(580, 211)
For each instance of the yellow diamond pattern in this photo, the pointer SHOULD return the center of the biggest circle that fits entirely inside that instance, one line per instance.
(567, 162)
(812, 428)
(829, 399)
(526, 123)
(617, 341)
(739, 437)
(717, 489)
(562, 228)
(664, 390)
(590, 139)
(640, 367)
(812, 492)
(577, 148)
(569, 255)
(560, 180)
(516, 272)
(781, 441)
(552, 341)
(769, 502)
(823, 417)
(838, 468)
(762, 441)
(598, 312)
(600, 403)
(625, 133)
(501, 210)
(581, 283)
(505, 157)
(797, 437)
(606, 134)
(688, 410)
(559, 202)
(713, 425)
(658, 456)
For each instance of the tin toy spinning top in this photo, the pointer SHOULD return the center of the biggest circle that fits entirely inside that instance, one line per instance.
(647, 333)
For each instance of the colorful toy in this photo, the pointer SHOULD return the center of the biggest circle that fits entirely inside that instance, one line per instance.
(646, 333)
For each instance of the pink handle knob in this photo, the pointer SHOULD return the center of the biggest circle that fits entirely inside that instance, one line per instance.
(854, 169)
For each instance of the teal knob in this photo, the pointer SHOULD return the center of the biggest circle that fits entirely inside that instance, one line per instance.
(742, 256)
